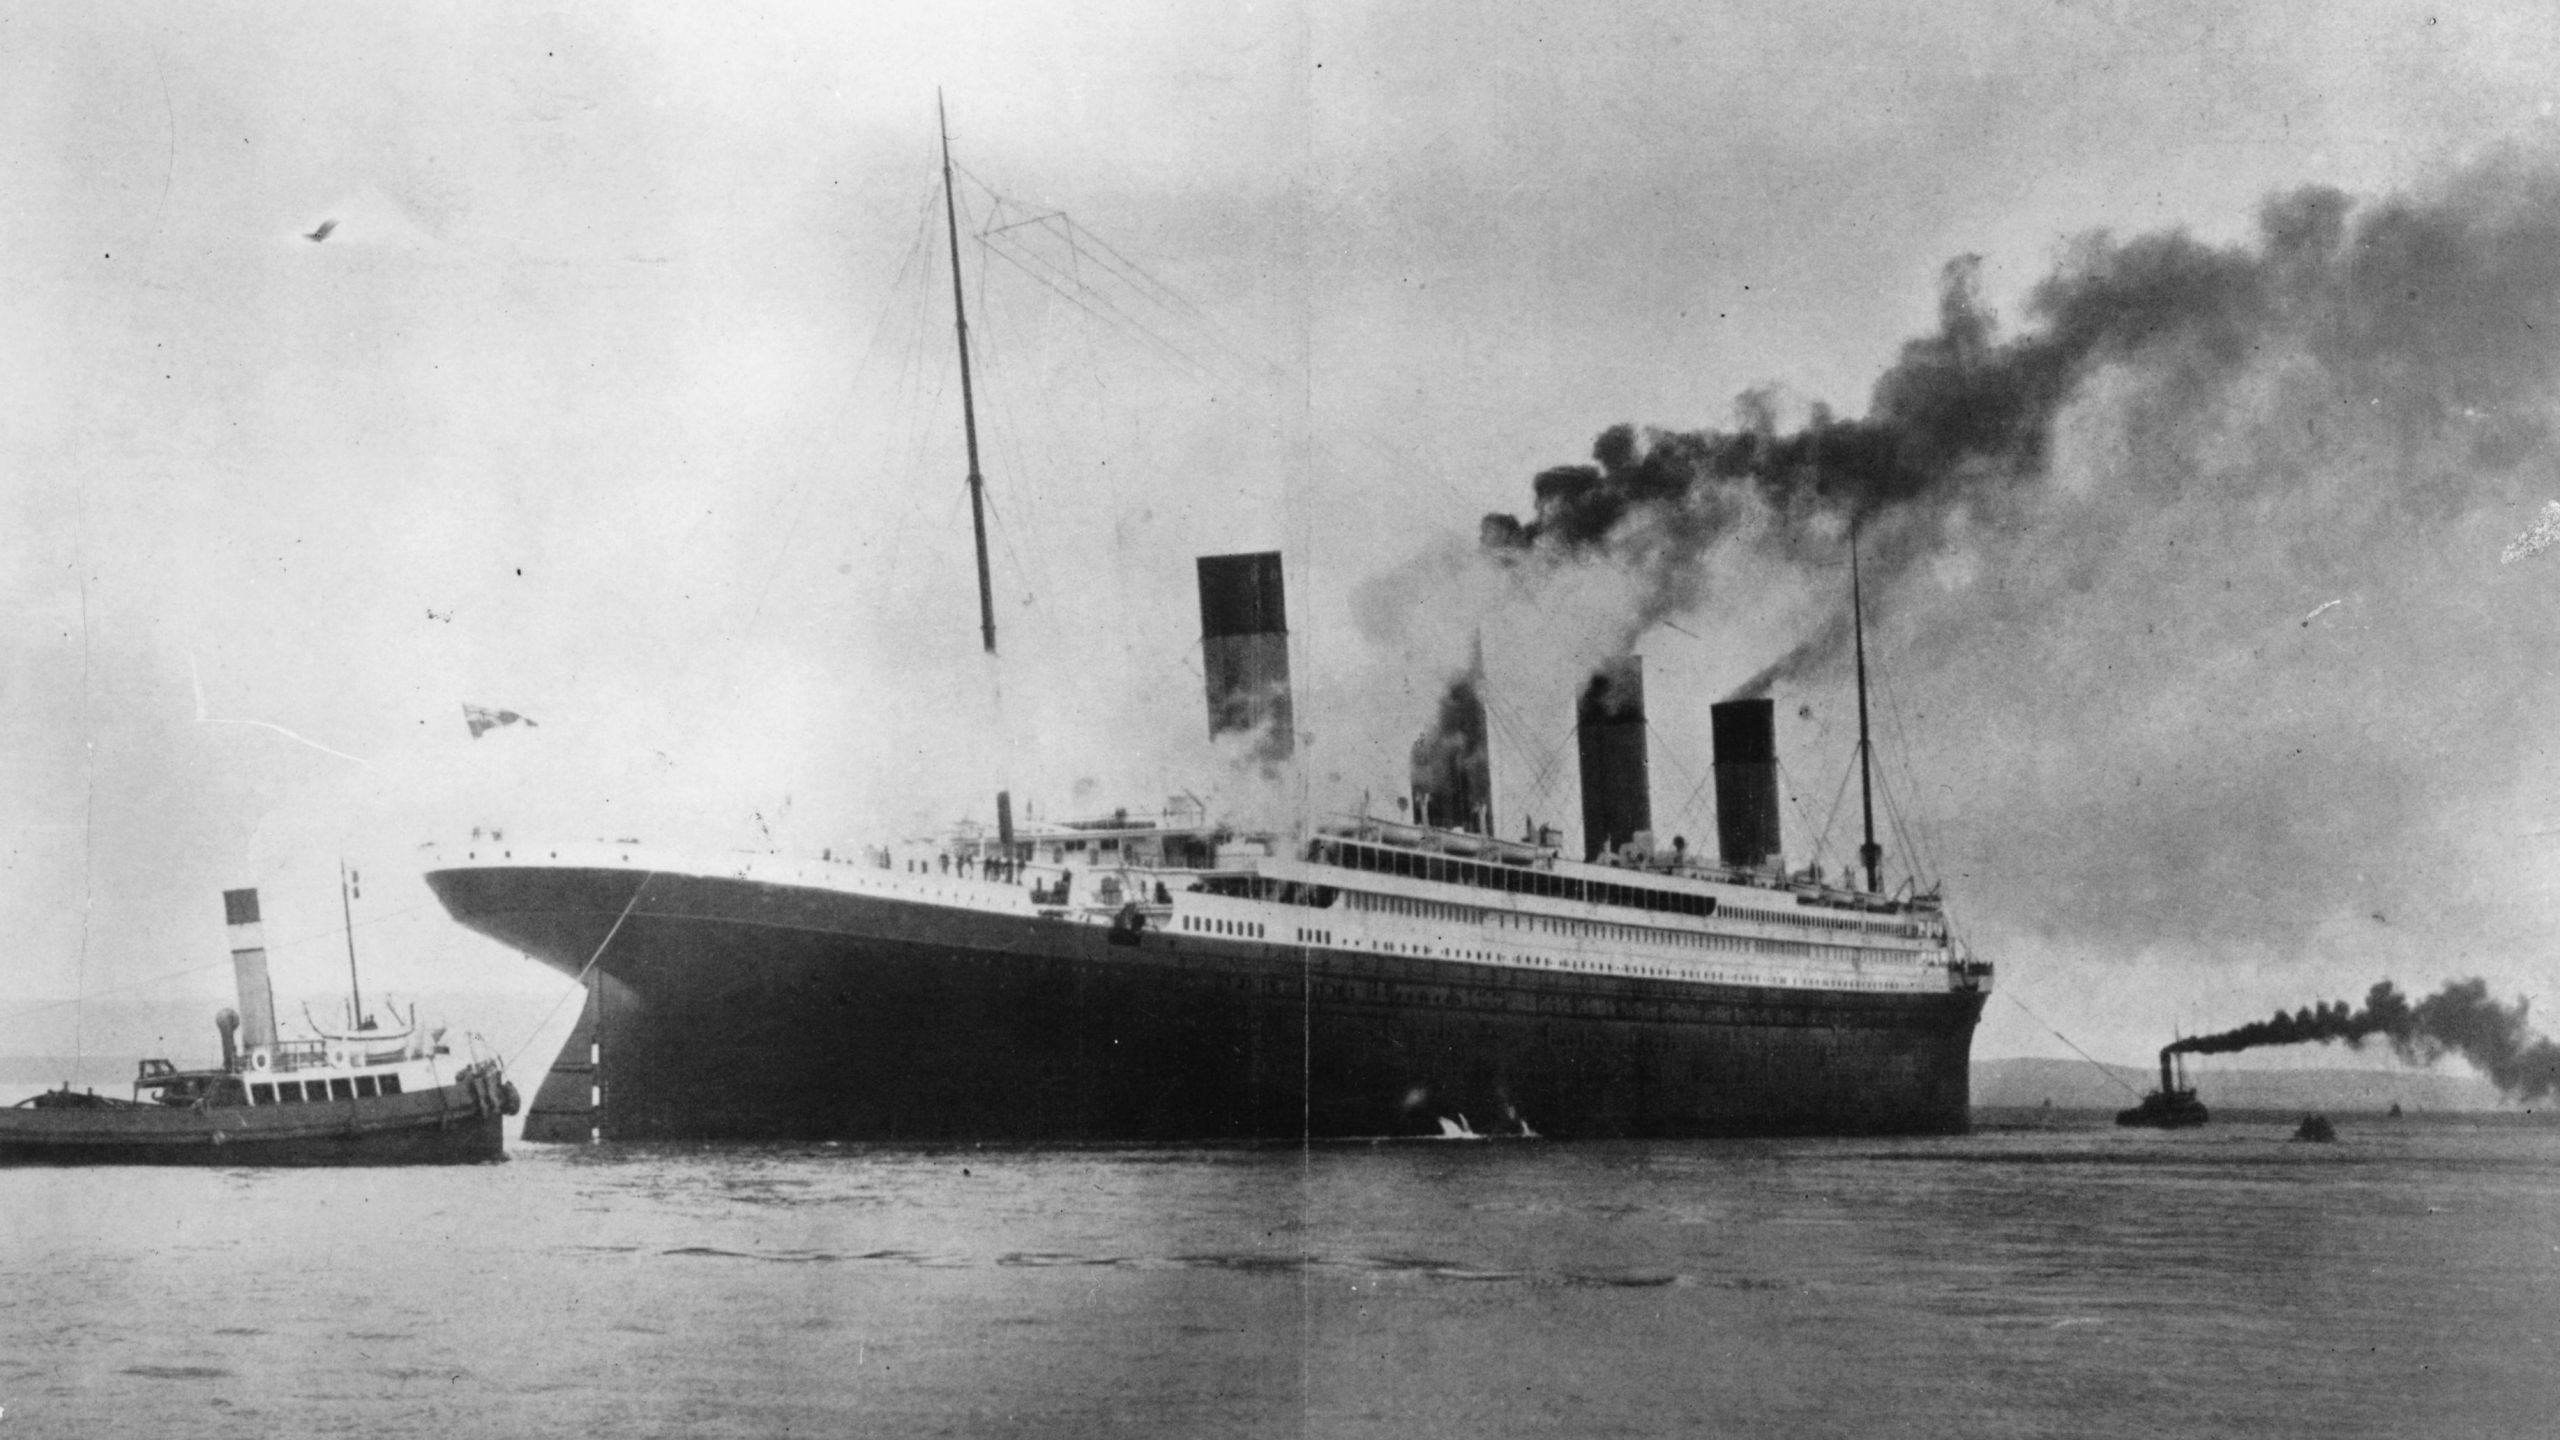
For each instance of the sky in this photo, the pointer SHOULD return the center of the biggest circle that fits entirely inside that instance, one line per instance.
(620, 393)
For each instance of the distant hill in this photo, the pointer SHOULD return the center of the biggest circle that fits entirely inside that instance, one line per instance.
(2079, 1085)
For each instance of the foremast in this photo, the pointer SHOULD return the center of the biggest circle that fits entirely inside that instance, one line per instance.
(968, 396)
(969, 430)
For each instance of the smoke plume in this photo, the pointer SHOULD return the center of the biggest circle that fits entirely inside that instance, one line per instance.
(2391, 304)
(2100, 553)
(1450, 763)
(2460, 1019)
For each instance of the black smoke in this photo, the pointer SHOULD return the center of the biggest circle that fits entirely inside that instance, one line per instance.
(1451, 765)
(1961, 414)
(2460, 1019)
(2186, 570)
(2391, 301)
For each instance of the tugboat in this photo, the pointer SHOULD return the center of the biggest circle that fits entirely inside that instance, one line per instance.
(357, 1095)
(2171, 1107)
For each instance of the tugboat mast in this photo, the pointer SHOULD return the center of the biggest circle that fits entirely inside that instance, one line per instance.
(968, 400)
(355, 986)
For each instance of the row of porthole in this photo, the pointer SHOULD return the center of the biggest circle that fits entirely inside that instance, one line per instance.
(1248, 929)
(1590, 967)
(1740, 942)
(1793, 982)
(1433, 909)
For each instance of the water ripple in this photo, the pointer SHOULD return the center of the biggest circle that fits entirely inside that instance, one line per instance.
(1242, 1262)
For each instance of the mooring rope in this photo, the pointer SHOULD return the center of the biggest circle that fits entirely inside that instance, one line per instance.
(2075, 1049)
(581, 978)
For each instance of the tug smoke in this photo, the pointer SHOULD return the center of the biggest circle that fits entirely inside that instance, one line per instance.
(2460, 1019)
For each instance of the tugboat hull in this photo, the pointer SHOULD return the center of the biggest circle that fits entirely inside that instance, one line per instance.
(2179, 1110)
(457, 1124)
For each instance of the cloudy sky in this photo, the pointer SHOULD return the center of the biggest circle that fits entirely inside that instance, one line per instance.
(620, 394)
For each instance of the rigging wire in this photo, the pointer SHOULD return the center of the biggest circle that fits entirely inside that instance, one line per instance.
(1116, 480)
(1925, 831)
(1907, 820)
(836, 425)
(1803, 815)
(921, 415)
(1658, 743)
(996, 230)
(995, 363)
(1221, 354)
(1083, 243)
(83, 999)
(1113, 259)
(1096, 305)
(1546, 757)
(1709, 814)
(1839, 798)
(273, 946)
(1067, 284)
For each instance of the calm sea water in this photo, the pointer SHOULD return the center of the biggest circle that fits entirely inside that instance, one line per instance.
(2071, 1281)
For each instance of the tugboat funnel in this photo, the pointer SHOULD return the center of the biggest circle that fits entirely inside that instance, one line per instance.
(249, 968)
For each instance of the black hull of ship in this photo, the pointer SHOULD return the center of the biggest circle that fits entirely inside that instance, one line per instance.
(453, 1125)
(727, 1008)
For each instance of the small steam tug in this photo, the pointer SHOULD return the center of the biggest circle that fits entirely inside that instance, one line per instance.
(362, 1094)
(2171, 1107)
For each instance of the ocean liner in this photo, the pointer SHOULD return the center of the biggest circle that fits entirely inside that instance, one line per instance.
(1164, 978)
(1170, 977)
